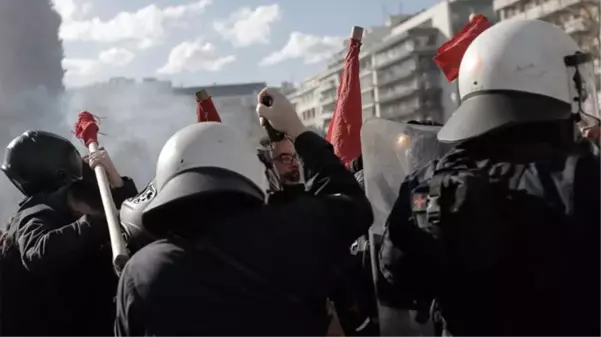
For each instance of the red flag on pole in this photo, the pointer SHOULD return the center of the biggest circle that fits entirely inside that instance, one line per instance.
(451, 52)
(205, 109)
(344, 132)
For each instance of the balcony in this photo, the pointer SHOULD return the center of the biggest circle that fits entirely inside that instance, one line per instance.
(500, 4)
(365, 71)
(397, 91)
(326, 114)
(328, 85)
(548, 8)
(394, 54)
(368, 112)
(576, 25)
(367, 100)
(327, 99)
(394, 76)
(396, 71)
(366, 84)
(393, 111)
(328, 106)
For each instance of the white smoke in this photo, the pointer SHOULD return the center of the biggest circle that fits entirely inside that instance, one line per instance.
(31, 77)
(136, 119)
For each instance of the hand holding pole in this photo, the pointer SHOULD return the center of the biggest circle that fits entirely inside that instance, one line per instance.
(86, 129)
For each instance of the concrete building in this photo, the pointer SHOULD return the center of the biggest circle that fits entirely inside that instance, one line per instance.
(580, 18)
(306, 100)
(399, 80)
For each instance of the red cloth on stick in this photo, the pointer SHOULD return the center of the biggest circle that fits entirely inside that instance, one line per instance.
(86, 128)
(344, 132)
(451, 52)
(206, 111)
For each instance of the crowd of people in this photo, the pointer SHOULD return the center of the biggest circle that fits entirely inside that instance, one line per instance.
(497, 235)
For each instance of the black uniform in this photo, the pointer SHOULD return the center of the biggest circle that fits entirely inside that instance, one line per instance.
(545, 276)
(287, 193)
(64, 283)
(270, 264)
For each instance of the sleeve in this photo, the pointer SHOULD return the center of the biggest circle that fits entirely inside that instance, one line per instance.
(129, 319)
(343, 202)
(45, 247)
(124, 192)
(325, 173)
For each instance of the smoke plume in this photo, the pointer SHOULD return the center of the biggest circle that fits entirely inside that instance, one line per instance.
(31, 76)
(136, 119)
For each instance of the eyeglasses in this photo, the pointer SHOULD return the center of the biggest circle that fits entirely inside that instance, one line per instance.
(286, 158)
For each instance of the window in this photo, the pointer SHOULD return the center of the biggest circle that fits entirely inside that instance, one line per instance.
(367, 98)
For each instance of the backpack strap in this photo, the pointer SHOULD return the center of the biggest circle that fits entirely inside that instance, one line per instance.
(435, 192)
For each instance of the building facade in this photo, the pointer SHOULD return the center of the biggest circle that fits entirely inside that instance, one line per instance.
(579, 18)
(399, 80)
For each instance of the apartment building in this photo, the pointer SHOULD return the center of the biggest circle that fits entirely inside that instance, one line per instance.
(399, 80)
(579, 18)
(306, 100)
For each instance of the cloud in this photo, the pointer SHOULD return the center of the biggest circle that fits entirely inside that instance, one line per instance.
(146, 26)
(69, 11)
(80, 67)
(192, 56)
(310, 48)
(116, 56)
(245, 26)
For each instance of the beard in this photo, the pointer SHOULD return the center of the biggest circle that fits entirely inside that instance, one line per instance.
(292, 177)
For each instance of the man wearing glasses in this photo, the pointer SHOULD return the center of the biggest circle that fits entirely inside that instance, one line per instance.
(287, 167)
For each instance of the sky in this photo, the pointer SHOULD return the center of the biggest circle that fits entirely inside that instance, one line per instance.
(200, 42)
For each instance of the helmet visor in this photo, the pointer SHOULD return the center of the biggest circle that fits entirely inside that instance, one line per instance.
(588, 106)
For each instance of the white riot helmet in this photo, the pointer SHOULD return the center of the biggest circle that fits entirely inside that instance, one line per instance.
(207, 158)
(521, 71)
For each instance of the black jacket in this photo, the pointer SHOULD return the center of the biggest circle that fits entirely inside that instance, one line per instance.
(288, 193)
(67, 283)
(292, 251)
(571, 304)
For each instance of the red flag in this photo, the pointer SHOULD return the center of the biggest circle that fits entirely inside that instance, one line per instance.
(205, 109)
(451, 52)
(344, 132)
(86, 128)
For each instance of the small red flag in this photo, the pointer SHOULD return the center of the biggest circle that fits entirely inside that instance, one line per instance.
(344, 132)
(205, 109)
(451, 52)
(86, 128)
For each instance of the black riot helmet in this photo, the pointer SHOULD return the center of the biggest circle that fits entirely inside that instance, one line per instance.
(40, 161)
